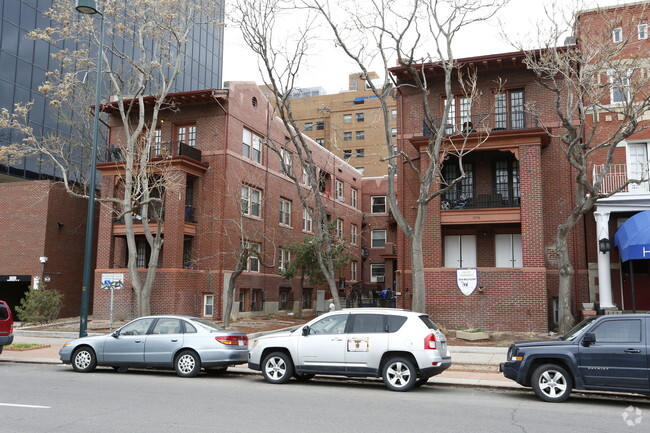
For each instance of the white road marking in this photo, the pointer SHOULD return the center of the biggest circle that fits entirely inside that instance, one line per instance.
(26, 405)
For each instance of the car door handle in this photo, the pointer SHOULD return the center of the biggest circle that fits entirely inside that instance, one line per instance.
(138, 341)
(174, 340)
(337, 339)
(632, 351)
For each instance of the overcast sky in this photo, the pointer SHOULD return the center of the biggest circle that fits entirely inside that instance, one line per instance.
(330, 68)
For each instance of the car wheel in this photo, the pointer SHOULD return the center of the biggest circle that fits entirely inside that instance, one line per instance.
(84, 360)
(399, 374)
(1, 349)
(277, 368)
(421, 381)
(217, 371)
(300, 377)
(187, 364)
(551, 383)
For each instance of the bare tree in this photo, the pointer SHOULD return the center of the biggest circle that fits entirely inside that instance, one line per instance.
(381, 32)
(281, 57)
(144, 53)
(583, 78)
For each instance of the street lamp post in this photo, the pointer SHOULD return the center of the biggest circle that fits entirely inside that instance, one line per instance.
(90, 7)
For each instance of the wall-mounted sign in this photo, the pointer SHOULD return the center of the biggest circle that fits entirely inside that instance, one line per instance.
(467, 280)
(16, 278)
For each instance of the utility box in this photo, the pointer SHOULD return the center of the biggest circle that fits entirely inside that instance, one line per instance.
(320, 301)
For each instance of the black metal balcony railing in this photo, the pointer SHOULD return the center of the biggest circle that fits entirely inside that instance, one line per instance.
(485, 123)
(481, 199)
(168, 149)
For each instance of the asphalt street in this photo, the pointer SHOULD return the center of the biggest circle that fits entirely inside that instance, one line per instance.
(53, 398)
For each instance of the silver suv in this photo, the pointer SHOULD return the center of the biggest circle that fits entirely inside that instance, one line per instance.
(402, 347)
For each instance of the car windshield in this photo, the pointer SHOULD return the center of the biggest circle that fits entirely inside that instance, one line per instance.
(207, 324)
(577, 330)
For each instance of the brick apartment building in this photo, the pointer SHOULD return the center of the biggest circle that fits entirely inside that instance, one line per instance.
(350, 124)
(216, 141)
(502, 218)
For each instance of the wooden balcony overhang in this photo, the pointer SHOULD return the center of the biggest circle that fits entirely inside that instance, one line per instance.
(480, 216)
(180, 163)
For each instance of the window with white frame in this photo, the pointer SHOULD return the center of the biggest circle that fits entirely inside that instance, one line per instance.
(377, 273)
(305, 176)
(286, 164)
(377, 238)
(340, 196)
(252, 146)
(393, 114)
(309, 126)
(307, 221)
(251, 199)
(643, 31)
(393, 132)
(208, 305)
(347, 118)
(638, 166)
(284, 257)
(354, 234)
(508, 252)
(619, 85)
(460, 251)
(617, 34)
(320, 141)
(361, 170)
(353, 197)
(157, 142)
(285, 212)
(347, 136)
(450, 125)
(378, 204)
(339, 228)
(186, 134)
(253, 264)
(353, 270)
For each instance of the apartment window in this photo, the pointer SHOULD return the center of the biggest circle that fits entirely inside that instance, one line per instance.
(393, 132)
(339, 228)
(619, 85)
(186, 134)
(360, 135)
(347, 118)
(378, 204)
(243, 295)
(450, 126)
(509, 110)
(353, 197)
(466, 114)
(617, 34)
(506, 174)
(284, 257)
(285, 212)
(637, 165)
(157, 142)
(360, 170)
(188, 263)
(461, 196)
(377, 273)
(340, 196)
(253, 264)
(354, 234)
(143, 252)
(347, 136)
(360, 153)
(309, 126)
(378, 238)
(287, 162)
(305, 176)
(508, 250)
(320, 126)
(257, 300)
(360, 117)
(208, 305)
(307, 221)
(353, 270)
(251, 199)
(393, 114)
(460, 251)
(643, 31)
(252, 146)
(347, 154)
(324, 182)
(320, 141)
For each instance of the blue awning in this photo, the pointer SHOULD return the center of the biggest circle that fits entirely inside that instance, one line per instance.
(633, 237)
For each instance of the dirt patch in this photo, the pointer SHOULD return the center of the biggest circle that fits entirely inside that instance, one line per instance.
(498, 339)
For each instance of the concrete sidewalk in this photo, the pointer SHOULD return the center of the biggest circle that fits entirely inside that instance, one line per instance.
(472, 366)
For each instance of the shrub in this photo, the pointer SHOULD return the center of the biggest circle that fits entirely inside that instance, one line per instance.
(40, 305)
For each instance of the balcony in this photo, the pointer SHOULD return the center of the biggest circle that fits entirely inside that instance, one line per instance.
(618, 175)
(484, 123)
(481, 198)
(169, 149)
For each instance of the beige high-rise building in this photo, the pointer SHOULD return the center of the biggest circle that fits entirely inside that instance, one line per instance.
(349, 124)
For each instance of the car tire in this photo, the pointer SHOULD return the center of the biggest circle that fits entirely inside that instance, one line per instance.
(1, 349)
(551, 383)
(187, 363)
(303, 377)
(399, 374)
(277, 368)
(84, 359)
(421, 381)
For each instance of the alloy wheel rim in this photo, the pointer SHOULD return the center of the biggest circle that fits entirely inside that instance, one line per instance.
(552, 383)
(398, 374)
(186, 363)
(275, 368)
(82, 360)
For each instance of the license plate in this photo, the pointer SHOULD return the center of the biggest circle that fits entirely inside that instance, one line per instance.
(241, 342)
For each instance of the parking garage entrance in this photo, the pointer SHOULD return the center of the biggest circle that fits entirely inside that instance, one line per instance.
(13, 289)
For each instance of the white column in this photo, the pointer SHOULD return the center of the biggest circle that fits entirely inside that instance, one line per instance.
(604, 266)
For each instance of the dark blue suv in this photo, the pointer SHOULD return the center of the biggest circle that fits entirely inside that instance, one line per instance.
(605, 353)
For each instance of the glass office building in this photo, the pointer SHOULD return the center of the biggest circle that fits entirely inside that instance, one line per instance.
(24, 62)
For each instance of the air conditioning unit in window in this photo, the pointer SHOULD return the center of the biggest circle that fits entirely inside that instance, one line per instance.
(380, 279)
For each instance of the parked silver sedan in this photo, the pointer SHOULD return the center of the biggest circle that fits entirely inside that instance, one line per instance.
(185, 344)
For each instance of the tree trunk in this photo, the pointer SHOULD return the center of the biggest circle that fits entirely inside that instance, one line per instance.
(566, 319)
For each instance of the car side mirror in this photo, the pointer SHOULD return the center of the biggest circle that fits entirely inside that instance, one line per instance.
(588, 339)
(305, 331)
(115, 334)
